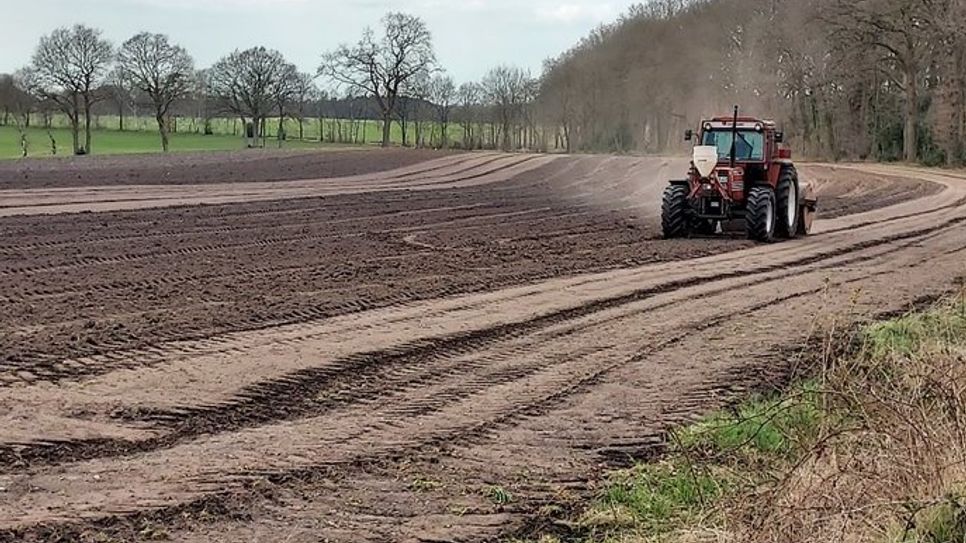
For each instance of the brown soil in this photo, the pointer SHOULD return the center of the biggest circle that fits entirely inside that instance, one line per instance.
(358, 360)
(204, 167)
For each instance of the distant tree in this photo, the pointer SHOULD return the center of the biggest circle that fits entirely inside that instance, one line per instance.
(161, 71)
(899, 30)
(67, 68)
(283, 91)
(203, 100)
(468, 95)
(412, 100)
(442, 95)
(120, 93)
(506, 89)
(245, 83)
(305, 92)
(15, 101)
(381, 67)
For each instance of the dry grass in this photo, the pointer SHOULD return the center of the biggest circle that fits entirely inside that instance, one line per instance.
(872, 448)
(890, 464)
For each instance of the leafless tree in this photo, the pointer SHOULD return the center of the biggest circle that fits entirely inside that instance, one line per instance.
(305, 92)
(505, 88)
(468, 97)
(380, 67)
(15, 101)
(412, 104)
(203, 100)
(283, 90)
(898, 31)
(160, 70)
(120, 92)
(442, 95)
(68, 66)
(244, 83)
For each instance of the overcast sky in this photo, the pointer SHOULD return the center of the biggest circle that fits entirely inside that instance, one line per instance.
(470, 35)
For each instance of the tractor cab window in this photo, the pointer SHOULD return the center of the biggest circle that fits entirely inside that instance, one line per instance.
(750, 145)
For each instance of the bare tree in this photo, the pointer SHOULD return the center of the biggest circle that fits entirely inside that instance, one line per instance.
(244, 83)
(120, 92)
(283, 90)
(304, 93)
(380, 68)
(898, 30)
(67, 68)
(412, 100)
(506, 89)
(442, 95)
(203, 100)
(160, 70)
(468, 96)
(14, 100)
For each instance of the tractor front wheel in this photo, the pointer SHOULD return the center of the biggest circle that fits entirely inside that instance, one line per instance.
(675, 212)
(760, 214)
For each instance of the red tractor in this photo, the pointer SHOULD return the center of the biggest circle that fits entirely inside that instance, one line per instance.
(739, 170)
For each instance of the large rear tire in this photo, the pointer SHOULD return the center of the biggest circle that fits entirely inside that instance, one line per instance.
(787, 205)
(675, 214)
(760, 214)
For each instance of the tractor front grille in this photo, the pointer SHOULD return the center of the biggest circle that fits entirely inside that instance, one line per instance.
(713, 206)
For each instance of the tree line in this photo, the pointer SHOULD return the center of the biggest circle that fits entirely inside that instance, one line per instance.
(391, 75)
(871, 79)
(868, 79)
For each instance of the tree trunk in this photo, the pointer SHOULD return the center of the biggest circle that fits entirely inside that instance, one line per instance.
(910, 143)
(87, 125)
(163, 131)
(386, 126)
(75, 123)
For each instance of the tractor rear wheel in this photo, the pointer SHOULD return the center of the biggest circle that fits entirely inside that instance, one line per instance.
(787, 206)
(675, 214)
(760, 214)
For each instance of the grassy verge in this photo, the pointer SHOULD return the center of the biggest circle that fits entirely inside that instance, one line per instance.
(871, 448)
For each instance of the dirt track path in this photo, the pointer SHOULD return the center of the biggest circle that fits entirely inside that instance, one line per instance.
(385, 424)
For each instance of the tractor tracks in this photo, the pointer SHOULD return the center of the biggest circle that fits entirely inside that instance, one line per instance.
(575, 367)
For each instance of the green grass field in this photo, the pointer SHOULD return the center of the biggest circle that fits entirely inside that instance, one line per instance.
(140, 135)
(115, 142)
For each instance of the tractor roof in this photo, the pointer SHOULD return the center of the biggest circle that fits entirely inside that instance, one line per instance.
(743, 122)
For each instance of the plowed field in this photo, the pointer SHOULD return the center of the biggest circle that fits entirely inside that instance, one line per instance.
(239, 350)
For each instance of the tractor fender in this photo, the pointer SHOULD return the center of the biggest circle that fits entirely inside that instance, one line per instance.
(682, 182)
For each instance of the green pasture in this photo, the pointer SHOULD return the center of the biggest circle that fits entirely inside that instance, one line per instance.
(140, 135)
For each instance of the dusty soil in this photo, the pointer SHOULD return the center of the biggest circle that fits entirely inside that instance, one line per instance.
(359, 358)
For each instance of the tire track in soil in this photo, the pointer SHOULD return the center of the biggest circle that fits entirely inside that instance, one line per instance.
(439, 443)
(365, 375)
(210, 247)
(559, 391)
(105, 359)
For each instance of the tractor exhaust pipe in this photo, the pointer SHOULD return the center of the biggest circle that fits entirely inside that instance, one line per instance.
(734, 138)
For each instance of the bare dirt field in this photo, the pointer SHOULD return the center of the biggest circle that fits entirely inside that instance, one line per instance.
(357, 352)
